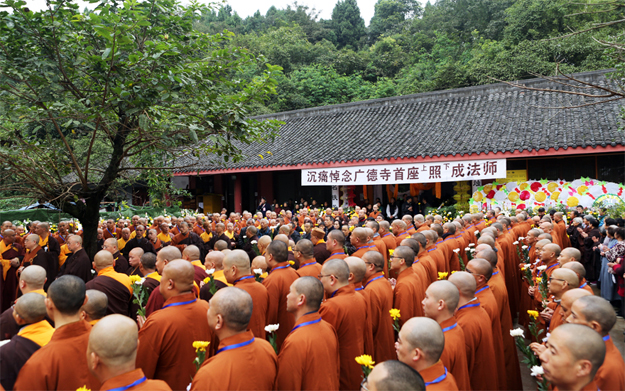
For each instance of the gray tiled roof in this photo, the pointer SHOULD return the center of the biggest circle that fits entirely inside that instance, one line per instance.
(489, 118)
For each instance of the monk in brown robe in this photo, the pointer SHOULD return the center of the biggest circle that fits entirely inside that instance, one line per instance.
(580, 271)
(156, 300)
(95, 308)
(29, 313)
(441, 300)
(409, 291)
(312, 337)
(32, 279)
(573, 356)
(10, 253)
(238, 273)
(346, 311)
(475, 323)
(78, 263)
(192, 254)
(393, 375)
(51, 248)
(308, 266)
(116, 286)
(598, 314)
(62, 363)
(335, 245)
(434, 252)
(228, 317)
(424, 260)
(185, 238)
(374, 226)
(482, 271)
(134, 262)
(278, 283)
(166, 339)
(380, 299)
(111, 231)
(112, 353)
(35, 255)
(121, 263)
(359, 240)
(420, 344)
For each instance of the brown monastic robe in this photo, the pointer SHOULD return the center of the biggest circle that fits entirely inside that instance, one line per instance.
(61, 364)
(128, 378)
(336, 254)
(455, 353)
(278, 284)
(250, 367)
(408, 294)
(117, 287)
(309, 359)
(429, 265)
(346, 311)
(8, 279)
(310, 267)
(166, 340)
(611, 375)
(439, 378)
(260, 300)
(489, 303)
(380, 300)
(439, 258)
(389, 241)
(476, 325)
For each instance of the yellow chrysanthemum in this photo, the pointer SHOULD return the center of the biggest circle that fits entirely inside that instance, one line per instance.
(442, 275)
(365, 360)
(395, 313)
(83, 388)
(200, 345)
(207, 280)
(291, 263)
(533, 314)
(539, 280)
(391, 251)
(134, 279)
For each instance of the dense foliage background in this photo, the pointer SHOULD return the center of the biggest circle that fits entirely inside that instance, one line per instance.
(409, 49)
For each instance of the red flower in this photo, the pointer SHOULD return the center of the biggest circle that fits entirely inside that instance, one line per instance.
(525, 195)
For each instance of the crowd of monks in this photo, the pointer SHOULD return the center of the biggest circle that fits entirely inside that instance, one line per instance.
(328, 280)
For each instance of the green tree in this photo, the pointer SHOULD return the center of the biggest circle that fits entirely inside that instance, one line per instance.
(347, 24)
(390, 15)
(118, 91)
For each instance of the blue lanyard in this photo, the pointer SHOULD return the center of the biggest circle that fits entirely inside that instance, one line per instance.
(386, 235)
(432, 249)
(402, 234)
(438, 379)
(278, 268)
(333, 293)
(235, 346)
(606, 338)
(331, 255)
(307, 264)
(369, 282)
(495, 273)
(181, 303)
(359, 289)
(243, 278)
(584, 284)
(482, 289)
(367, 247)
(113, 235)
(306, 324)
(450, 327)
(135, 383)
(469, 306)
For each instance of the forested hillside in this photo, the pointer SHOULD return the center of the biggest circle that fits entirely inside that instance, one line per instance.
(409, 49)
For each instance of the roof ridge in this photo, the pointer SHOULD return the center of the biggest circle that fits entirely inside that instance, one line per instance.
(426, 96)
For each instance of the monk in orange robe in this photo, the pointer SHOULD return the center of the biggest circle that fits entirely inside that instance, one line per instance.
(62, 363)
(35, 332)
(377, 239)
(278, 283)
(346, 311)
(409, 290)
(441, 300)
(424, 260)
(420, 345)
(475, 323)
(579, 269)
(303, 253)
(380, 300)
(399, 230)
(228, 316)
(387, 236)
(598, 314)
(334, 244)
(238, 273)
(111, 356)
(482, 271)
(166, 340)
(359, 240)
(312, 337)
(116, 286)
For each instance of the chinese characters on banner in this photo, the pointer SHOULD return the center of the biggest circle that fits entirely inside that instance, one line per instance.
(467, 170)
(335, 196)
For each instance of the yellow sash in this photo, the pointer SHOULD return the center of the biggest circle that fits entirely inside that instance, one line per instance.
(119, 277)
(219, 275)
(40, 332)
(198, 263)
(155, 276)
(41, 292)
(6, 263)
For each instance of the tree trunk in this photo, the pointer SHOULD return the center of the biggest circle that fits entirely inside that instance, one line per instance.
(89, 221)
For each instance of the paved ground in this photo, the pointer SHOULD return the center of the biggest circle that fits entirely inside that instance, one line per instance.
(529, 384)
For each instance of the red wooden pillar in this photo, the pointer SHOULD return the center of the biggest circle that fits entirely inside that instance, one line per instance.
(237, 195)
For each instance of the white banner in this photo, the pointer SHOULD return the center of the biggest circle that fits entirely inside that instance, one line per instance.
(386, 174)
(335, 196)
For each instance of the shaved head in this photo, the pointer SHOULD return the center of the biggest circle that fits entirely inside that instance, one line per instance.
(552, 247)
(215, 258)
(406, 253)
(465, 283)
(181, 273)
(111, 242)
(570, 254)
(594, 311)
(337, 268)
(445, 291)
(488, 254)
(264, 241)
(103, 259)
(97, 304)
(393, 375)
(114, 339)
(357, 267)
(283, 238)
(34, 276)
(360, 234)
(577, 267)
(191, 252)
(567, 275)
(31, 307)
(259, 262)
(238, 258)
(338, 236)
(486, 240)
(569, 297)
(481, 266)
(375, 258)
(169, 253)
(67, 293)
(235, 306)
(312, 288)
(305, 247)
(425, 334)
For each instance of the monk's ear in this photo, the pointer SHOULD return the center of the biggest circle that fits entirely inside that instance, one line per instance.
(595, 326)
(583, 368)
(85, 301)
(94, 361)
(220, 322)
(93, 265)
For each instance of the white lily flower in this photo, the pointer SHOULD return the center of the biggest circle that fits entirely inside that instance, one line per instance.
(524, 247)
(210, 271)
(471, 244)
(457, 250)
(537, 370)
(477, 232)
(521, 238)
(472, 250)
(140, 282)
(517, 333)
(515, 243)
(467, 249)
(258, 271)
(542, 268)
(253, 242)
(271, 328)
